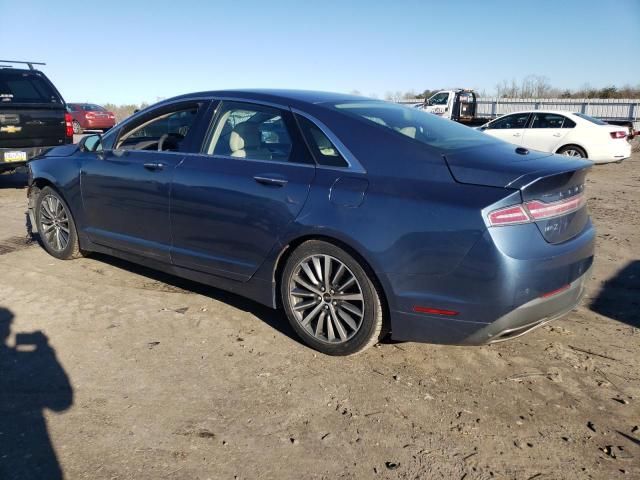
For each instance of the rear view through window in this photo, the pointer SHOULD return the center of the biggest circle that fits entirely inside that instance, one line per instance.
(26, 87)
(421, 126)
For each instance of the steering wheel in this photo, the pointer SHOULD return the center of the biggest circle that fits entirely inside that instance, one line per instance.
(161, 141)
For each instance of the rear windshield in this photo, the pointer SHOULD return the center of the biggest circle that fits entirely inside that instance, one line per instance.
(92, 107)
(26, 87)
(590, 119)
(419, 125)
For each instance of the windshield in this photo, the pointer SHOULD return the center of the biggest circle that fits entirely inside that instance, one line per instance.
(416, 124)
(25, 87)
(590, 119)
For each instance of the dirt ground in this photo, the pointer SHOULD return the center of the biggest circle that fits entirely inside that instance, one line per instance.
(146, 376)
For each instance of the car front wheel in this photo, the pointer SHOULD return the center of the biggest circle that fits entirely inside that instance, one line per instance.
(77, 129)
(55, 225)
(330, 299)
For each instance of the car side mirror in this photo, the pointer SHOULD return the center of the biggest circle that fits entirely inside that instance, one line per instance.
(90, 143)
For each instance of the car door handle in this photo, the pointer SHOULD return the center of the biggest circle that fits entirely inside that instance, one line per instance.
(557, 134)
(516, 134)
(154, 166)
(276, 182)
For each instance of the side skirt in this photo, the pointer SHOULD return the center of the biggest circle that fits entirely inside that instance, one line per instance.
(255, 289)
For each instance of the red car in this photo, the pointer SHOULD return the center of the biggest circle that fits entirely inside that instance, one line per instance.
(89, 116)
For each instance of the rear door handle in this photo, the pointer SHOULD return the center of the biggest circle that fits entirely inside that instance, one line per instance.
(275, 181)
(516, 134)
(557, 134)
(154, 166)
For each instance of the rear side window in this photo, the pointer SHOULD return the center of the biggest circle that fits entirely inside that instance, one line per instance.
(568, 123)
(26, 87)
(256, 132)
(547, 120)
(323, 150)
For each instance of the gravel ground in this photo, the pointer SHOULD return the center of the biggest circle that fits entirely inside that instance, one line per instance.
(139, 375)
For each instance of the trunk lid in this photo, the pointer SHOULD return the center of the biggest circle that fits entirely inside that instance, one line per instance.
(540, 177)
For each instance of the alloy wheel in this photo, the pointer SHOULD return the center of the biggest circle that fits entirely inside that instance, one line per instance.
(572, 153)
(54, 223)
(326, 299)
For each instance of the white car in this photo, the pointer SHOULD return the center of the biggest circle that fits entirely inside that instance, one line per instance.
(572, 134)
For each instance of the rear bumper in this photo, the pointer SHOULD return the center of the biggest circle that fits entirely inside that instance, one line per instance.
(31, 152)
(616, 154)
(531, 315)
(499, 291)
(517, 322)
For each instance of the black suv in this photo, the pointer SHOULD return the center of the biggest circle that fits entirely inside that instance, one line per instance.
(33, 115)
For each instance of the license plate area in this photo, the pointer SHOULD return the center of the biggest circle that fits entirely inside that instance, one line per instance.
(16, 156)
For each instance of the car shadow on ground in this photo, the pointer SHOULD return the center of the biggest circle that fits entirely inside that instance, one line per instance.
(31, 380)
(619, 297)
(13, 180)
(276, 319)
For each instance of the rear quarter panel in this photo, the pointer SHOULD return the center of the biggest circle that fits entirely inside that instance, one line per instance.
(414, 219)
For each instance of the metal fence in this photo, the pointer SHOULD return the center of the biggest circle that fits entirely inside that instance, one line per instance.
(604, 108)
(607, 109)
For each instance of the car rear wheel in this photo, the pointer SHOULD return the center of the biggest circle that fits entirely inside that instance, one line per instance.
(330, 300)
(77, 129)
(55, 225)
(573, 151)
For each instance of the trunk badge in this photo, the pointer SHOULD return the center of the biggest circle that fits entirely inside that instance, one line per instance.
(10, 129)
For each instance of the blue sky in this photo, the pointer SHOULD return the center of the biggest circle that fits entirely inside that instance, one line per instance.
(121, 52)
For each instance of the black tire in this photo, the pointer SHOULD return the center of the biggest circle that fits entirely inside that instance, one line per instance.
(567, 149)
(77, 129)
(71, 248)
(369, 330)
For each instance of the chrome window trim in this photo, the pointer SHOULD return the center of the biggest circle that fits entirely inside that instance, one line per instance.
(257, 160)
(353, 164)
(251, 100)
(121, 151)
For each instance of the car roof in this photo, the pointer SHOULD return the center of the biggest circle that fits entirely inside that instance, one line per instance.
(20, 70)
(282, 96)
(558, 112)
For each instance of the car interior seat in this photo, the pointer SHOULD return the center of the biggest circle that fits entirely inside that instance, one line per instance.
(245, 141)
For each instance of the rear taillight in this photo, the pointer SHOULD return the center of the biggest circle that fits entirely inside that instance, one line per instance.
(68, 123)
(618, 134)
(509, 216)
(535, 210)
(541, 210)
(555, 292)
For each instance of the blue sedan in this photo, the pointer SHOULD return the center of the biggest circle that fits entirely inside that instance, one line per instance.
(359, 218)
